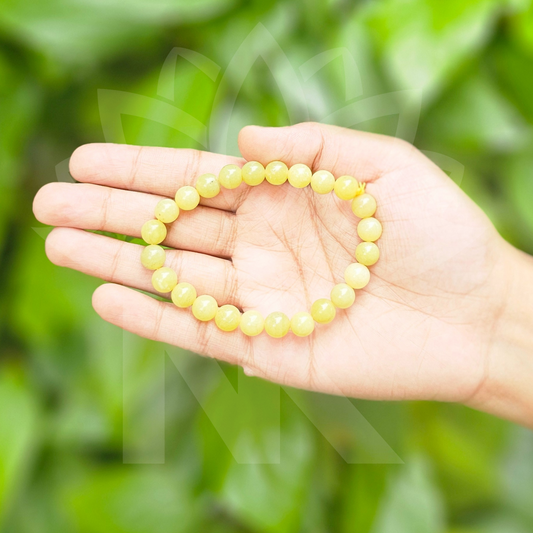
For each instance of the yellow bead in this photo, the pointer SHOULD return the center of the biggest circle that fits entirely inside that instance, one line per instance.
(369, 229)
(207, 186)
(167, 211)
(357, 275)
(204, 308)
(276, 172)
(228, 318)
(367, 253)
(323, 311)
(252, 323)
(322, 182)
(277, 325)
(346, 187)
(153, 257)
(342, 296)
(253, 173)
(364, 205)
(299, 175)
(183, 295)
(302, 324)
(187, 198)
(230, 176)
(164, 279)
(154, 231)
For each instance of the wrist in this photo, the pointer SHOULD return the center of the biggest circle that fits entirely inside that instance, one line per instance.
(507, 390)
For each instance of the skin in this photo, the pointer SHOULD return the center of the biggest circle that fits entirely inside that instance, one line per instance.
(439, 320)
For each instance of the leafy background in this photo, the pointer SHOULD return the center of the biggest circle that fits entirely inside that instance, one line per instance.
(64, 373)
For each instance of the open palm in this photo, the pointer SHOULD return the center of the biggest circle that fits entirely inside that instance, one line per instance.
(420, 329)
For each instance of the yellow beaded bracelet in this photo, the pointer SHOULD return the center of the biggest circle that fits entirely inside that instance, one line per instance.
(228, 317)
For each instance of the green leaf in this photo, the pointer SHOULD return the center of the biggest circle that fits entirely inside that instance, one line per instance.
(518, 473)
(510, 67)
(135, 118)
(345, 428)
(475, 116)
(20, 103)
(522, 25)
(465, 447)
(519, 188)
(413, 503)
(424, 44)
(50, 301)
(269, 497)
(73, 32)
(19, 435)
(126, 499)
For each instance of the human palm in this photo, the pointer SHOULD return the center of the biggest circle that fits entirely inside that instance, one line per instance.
(421, 327)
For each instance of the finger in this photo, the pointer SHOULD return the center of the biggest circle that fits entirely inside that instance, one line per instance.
(339, 150)
(150, 169)
(163, 321)
(120, 262)
(86, 206)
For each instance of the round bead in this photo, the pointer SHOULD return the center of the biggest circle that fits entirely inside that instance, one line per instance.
(230, 176)
(277, 325)
(322, 182)
(164, 279)
(153, 257)
(364, 205)
(228, 318)
(342, 296)
(302, 324)
(204, 308)
(323, 311)
(253, 173)
(346, 187)
(369, 229)
(166, 211)
(276, 172)
(357, 275)
(183, 295)
(299, 175)
(187, 198)
(367, 253)
(252, 323)
(207, 186)
(154, 231)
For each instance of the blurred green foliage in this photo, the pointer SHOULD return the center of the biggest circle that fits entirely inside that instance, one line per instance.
(73, 390)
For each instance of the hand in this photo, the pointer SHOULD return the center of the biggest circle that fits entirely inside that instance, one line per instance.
(423, 328)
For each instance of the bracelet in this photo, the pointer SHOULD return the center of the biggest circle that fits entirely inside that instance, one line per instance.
(228, 317)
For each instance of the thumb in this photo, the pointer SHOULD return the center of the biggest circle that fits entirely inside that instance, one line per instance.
(339, 150)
